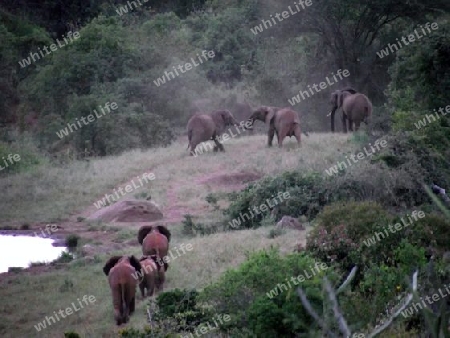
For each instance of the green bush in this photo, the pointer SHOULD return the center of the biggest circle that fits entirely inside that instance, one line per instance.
(306, 197)
(28, 157)
(249, 291)
(72, 241)
(181, 307)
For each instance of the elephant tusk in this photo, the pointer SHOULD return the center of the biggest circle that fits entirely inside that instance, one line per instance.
(330, 113)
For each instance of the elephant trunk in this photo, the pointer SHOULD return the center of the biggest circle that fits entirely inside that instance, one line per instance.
(333, 112)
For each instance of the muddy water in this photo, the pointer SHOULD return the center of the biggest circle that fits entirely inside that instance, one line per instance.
(20, 251)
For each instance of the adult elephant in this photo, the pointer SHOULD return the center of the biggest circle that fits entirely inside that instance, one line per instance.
(153, 276)
(121, 272)
(205, 127)
(356, 108)
(155, 241)
(281, 121)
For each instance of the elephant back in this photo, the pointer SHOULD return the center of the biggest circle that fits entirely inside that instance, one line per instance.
(155, 244)
(148, 266)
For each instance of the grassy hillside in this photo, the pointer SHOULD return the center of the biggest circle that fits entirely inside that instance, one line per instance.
(63, 194)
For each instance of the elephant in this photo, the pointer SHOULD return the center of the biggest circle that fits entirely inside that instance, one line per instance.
(356, 107)
(153, 276)
(120, 271)
(204, 127)
(155, 241)
(282, 121)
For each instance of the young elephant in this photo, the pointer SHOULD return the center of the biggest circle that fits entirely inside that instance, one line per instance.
(153, 275)
(120, 271)
(155, 241)
(205, 127)
(282, 121)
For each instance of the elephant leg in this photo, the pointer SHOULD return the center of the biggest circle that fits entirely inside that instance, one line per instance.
(192, 152)
(218, 145)
(151, 285)
(298, 134)
(117, 303)
(281, 135)
(270, 136)
(344, 122)
(350, 124)
(142, 288)
(357, 124)
(132, 305)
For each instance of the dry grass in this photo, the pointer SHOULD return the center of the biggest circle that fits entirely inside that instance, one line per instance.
(56, 193)
(29, 298)
(51, 193)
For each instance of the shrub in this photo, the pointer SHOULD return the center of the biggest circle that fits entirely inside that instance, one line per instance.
(180, 306)
(246, 293)
(72, 241)
(28, 157)
(273, 233)
(306, 197)
(343, 231)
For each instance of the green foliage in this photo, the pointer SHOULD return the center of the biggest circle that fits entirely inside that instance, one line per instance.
(29, 157)
(72, 241)
(71, 334)
(180, 306)
(273, 233)
(64, 257)
(246, 293)
(306, 197)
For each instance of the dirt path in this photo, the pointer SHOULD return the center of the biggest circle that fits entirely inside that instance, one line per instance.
(106, 239)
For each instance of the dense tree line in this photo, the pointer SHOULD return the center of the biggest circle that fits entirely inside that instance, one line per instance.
(118, 57)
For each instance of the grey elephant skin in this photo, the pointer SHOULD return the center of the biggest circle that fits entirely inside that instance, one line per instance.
(281, 121)
(153, 275)
(205, 127)
(120, 271)
(356, 108)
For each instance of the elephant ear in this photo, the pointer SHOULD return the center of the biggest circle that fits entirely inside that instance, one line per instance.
(340, 99)
(135, 263)
(110, 264)
(270, 114)
(350, 90)
(143, 231)
(164, 231)
(218, 117)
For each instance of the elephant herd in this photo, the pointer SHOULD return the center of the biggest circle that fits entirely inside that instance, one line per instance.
(126, 272)
(282, 122)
